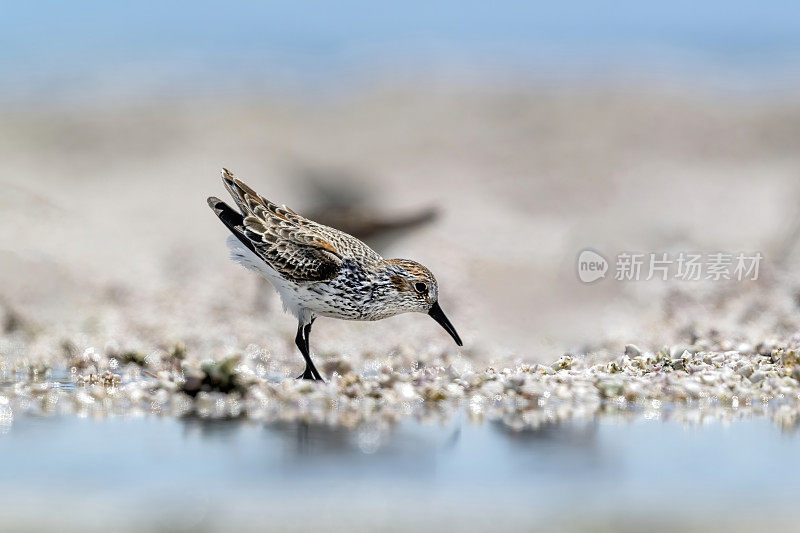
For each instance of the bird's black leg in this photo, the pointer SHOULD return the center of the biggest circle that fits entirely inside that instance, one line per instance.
(301, 340)
(307, 334)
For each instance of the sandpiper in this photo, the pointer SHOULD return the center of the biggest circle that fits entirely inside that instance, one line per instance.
(321, 271)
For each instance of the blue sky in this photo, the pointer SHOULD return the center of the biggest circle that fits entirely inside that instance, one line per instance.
(49, 42)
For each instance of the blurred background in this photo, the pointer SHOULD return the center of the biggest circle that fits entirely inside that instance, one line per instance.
(492, 142)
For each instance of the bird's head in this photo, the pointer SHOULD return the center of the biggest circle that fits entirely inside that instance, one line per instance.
(413, 288)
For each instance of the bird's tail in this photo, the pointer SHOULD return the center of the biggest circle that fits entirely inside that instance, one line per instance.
(232, 219)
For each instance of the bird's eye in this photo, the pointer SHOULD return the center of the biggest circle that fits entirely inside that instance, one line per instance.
(420, 287)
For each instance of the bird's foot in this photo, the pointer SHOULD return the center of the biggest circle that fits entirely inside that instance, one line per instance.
(309, 374)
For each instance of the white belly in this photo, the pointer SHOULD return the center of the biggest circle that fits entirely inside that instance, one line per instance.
(286, 289)
(303, 300)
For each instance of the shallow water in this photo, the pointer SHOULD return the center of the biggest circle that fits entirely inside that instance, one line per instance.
(167, 473)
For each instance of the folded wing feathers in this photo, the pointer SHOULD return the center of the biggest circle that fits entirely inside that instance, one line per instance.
(287, 241)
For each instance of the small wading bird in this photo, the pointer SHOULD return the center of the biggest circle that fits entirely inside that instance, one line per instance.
(321, 271)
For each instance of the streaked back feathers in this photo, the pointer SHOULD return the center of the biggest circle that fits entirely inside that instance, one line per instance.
(334, 273)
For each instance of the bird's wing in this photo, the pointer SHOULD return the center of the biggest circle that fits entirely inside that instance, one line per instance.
(288, 242)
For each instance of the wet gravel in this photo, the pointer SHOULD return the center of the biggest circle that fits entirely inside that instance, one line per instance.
(691, 383)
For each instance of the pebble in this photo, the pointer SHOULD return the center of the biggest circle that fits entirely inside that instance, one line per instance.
(631, 350)
(765, 348)
(685, 380)
(679, 349)
(746, 370)
(745, 348)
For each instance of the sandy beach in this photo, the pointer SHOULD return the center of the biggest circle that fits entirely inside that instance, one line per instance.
(105, 224)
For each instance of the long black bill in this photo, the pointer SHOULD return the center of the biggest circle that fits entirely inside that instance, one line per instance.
(438, 315)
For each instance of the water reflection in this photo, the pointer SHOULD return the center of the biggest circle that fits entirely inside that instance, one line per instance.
(276, 470)
(575, 434)
(298, 440)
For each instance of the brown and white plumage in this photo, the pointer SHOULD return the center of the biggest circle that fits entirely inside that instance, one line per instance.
(319, 270)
